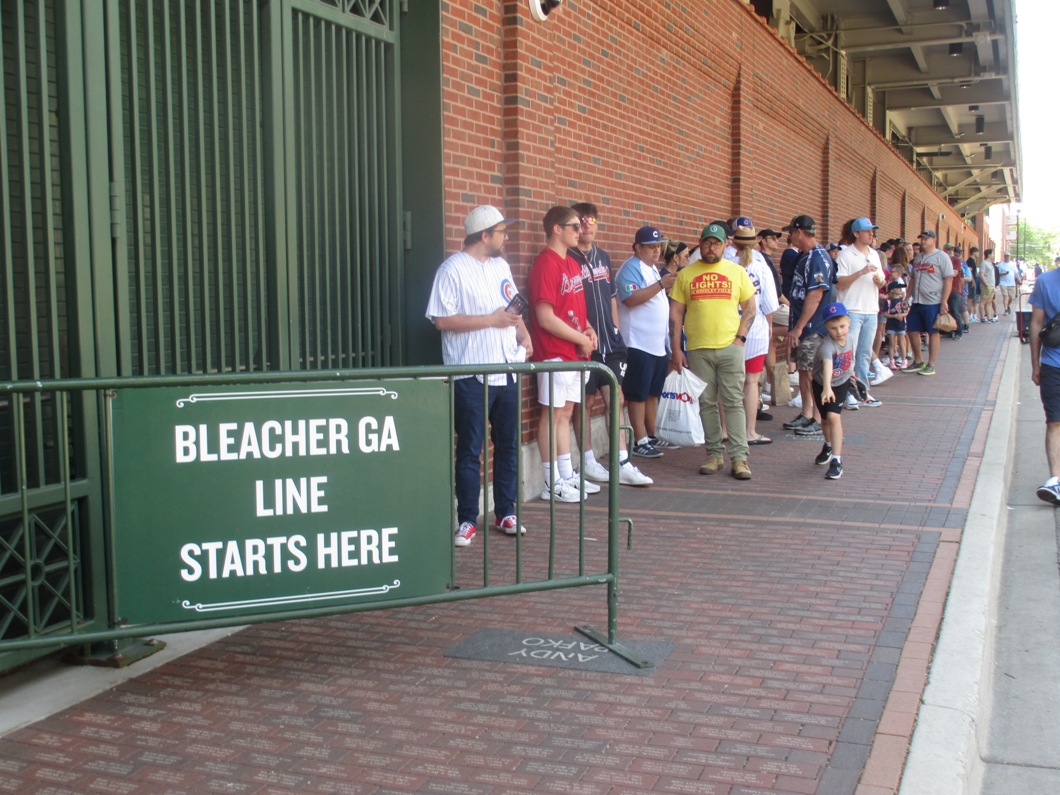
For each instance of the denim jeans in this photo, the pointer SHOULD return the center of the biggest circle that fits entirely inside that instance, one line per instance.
(470, 408)
(863, 334)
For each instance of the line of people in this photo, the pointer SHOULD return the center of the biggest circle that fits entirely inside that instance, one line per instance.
(710, 307)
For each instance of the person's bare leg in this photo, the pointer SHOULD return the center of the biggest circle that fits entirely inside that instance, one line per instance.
(750, 403)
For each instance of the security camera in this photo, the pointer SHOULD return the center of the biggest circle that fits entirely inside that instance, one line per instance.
(540, 9)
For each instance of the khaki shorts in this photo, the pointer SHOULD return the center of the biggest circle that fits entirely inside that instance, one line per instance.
(1008, 292)
(986, 293)
(806, 352)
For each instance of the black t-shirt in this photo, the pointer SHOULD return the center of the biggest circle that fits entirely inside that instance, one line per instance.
(599, 289)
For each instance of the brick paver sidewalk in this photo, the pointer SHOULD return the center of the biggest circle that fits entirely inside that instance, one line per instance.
(801, 613)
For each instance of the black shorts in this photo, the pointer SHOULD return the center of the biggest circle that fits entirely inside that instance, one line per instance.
(1050, 392)
(836, 405)
(615, 362)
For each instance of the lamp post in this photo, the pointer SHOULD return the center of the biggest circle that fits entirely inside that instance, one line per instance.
(1018, 210)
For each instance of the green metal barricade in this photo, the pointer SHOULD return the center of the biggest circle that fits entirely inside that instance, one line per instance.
(253, 497)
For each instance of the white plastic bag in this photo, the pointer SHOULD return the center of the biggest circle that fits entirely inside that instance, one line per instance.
(677, 420)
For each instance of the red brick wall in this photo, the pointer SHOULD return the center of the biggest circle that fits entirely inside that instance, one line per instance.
(662, 113)
(666, 113)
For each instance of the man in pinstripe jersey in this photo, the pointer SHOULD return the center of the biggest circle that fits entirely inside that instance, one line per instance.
(475, 305)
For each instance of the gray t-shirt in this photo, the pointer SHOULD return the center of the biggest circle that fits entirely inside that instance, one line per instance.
(986, 273)
(929, 272)
(839, 361)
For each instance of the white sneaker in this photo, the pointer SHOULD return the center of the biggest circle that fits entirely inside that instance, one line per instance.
(596, 471)
(882, 374)
(796, 402)
(851, 403)
(629, 475)
(562, 491)
(871, 402)
(589, 486)
(793, 379)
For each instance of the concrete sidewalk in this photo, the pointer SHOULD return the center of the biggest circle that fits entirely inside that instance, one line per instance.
(800, 616)
(988, 721)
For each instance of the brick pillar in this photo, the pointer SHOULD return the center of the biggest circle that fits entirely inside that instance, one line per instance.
(742, 198)
(874, 196)
(528, 131)
(824, 222)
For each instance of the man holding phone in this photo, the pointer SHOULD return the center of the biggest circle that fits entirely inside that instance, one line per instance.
(475, 305)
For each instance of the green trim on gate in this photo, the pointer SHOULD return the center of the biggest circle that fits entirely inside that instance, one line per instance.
(242, 387)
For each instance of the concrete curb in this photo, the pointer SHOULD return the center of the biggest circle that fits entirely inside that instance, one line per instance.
(944, 754)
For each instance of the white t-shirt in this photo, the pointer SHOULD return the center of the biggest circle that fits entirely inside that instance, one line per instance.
(465, 286)
(862, 296)
(1008, 271)
(645, 326)
(765, 301)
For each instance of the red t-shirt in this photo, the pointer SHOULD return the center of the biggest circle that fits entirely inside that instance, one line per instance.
(556, 280)
(958, 276)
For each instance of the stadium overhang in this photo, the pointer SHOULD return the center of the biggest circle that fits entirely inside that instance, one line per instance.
(936, 77)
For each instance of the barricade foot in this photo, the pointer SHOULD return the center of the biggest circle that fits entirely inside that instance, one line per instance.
(616, 648)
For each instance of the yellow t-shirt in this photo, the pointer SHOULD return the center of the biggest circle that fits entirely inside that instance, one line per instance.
(712, 295)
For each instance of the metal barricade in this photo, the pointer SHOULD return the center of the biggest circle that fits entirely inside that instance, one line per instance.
(253, 497)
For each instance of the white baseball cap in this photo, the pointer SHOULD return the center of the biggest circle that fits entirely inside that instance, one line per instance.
(482, 218)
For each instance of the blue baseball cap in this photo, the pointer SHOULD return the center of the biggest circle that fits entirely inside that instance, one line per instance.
(862, 225)
(743, 220)
(649, 236)
(834, 247)
(835, 310)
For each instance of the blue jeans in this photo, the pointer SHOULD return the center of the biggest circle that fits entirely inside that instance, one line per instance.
(470, 409)
(863, 334)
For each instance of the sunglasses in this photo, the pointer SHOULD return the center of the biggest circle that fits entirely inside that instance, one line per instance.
(573, 225)
(588, 221)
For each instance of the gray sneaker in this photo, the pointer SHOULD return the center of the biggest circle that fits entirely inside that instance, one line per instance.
(813, 429)
(800, 421)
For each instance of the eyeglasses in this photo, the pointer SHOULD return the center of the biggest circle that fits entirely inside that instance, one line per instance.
(588, 221)
(711, 242)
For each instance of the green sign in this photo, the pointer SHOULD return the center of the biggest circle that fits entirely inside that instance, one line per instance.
(249, 500)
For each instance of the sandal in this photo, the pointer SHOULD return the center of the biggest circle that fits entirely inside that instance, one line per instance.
(760, 440)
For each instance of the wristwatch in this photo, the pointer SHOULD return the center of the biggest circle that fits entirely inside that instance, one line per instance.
(741, 338)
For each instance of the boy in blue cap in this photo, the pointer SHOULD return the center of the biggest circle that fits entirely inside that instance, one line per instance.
(832, 370)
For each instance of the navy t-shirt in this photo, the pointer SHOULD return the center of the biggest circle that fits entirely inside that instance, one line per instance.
(814, 270)
(787, 269)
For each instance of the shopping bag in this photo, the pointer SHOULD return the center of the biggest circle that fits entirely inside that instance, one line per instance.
(945, 323)
(677, 418)
(780, 385)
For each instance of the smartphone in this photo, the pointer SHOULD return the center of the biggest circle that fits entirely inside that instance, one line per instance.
(517, 305)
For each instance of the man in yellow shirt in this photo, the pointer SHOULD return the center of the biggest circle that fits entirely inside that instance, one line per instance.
(714, 304)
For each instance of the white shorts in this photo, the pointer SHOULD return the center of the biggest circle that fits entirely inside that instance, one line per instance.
(566, 386)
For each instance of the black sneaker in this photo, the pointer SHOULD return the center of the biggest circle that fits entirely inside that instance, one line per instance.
(824, 456)
(835, 470)
(647, 450)
(799, 422)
